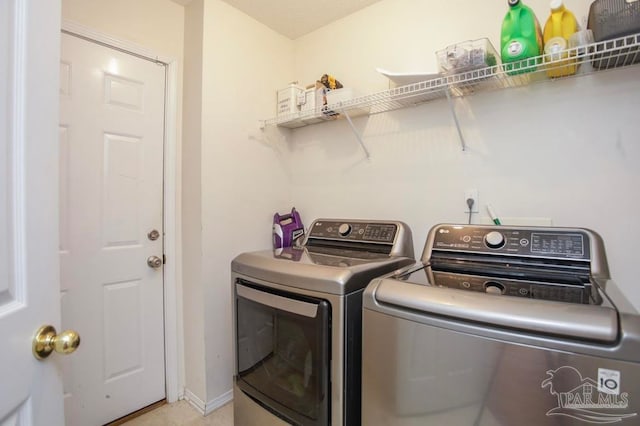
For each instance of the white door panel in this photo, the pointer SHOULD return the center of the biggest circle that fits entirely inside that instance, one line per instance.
(112, 115)
(30, 390)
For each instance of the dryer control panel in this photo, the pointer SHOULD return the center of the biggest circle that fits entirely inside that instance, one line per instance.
(372, 232)
(389, 237)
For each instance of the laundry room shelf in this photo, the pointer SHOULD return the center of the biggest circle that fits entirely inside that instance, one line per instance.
(592, 58)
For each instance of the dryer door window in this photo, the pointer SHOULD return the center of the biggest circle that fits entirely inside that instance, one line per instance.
(283, 347)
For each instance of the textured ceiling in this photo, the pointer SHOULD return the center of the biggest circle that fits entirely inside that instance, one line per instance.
(295, 18)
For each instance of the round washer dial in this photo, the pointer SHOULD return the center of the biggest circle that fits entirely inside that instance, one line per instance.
(344, 229)
(493, 287)
(494, 240)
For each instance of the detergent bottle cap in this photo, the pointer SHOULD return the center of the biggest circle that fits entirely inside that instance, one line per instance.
(513, 2)
(556, 5)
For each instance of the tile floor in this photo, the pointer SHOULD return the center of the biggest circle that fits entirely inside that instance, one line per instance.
(181, 413)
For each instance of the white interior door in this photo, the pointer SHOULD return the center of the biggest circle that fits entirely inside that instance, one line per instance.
(30, 390)
(111, 132)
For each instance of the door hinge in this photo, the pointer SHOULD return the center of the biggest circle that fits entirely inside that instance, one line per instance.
(164, 259)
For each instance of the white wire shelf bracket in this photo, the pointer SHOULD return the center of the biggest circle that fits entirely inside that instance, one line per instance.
(574, 62)
(358, 135)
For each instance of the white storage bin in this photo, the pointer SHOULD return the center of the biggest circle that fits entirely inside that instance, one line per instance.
(345, 94)
(310, 99)
(340, 95)
(311, 107)
(288, 99)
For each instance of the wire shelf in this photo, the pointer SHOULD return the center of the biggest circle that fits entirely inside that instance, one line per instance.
(570, 63)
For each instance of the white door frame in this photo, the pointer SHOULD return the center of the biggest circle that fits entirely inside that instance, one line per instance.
(172, 218)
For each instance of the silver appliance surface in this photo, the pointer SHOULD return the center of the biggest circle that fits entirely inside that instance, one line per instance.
(500, 326)
(281, 293)
(338, 256)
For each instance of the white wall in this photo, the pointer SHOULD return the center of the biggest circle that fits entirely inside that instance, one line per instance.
(564, 150)
(243, 182)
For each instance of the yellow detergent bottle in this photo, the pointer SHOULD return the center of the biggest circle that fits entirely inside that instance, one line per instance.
(560, 25)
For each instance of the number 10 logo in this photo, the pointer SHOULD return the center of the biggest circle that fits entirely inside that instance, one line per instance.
(609, 381)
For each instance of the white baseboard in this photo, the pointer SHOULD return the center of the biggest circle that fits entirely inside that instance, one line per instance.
(218, 402)
(206, 408)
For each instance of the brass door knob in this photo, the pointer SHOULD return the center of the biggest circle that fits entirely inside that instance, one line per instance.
(47, 340)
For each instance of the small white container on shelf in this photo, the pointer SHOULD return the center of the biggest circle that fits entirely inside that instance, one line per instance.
(311, 103)
(343, 95)
(340, 95)
(310, 98)
(288, 99)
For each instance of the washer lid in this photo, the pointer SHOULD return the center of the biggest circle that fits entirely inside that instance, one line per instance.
(573, 321)
(330, 271)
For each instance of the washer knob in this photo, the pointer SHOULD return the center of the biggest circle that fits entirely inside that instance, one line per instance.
(344, 229)
(494, 240)
(493, 288)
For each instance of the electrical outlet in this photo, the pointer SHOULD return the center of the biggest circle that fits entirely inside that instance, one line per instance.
(473, 194)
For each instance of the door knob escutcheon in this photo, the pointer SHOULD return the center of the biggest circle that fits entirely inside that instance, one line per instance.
(46, 340)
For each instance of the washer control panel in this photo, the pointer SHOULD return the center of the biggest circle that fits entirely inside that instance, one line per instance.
(518, 241)
(354, 231)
